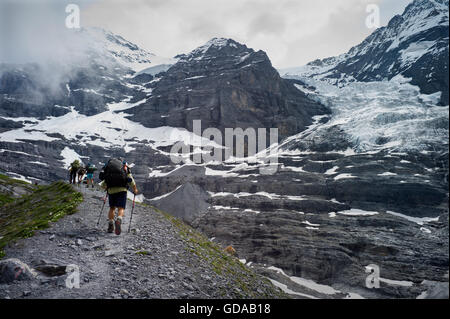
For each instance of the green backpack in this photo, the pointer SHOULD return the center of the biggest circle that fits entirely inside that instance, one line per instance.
(75, 165)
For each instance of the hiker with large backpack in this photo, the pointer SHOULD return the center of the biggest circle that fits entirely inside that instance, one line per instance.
(73, 169)
(90, 169)
(117, 178)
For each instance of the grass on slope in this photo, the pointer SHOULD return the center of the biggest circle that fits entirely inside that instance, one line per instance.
(20, 217)
(7, 185)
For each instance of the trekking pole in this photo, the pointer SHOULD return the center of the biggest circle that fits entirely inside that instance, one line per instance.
(131, 216)
(104, 202)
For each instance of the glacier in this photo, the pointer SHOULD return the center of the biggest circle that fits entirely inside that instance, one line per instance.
(381, 115)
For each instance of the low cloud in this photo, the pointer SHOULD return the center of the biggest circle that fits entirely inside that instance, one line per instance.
(292, 32)
(35, 31)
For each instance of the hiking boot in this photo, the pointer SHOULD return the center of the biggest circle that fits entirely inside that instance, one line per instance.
(110, 227)
(118, 224)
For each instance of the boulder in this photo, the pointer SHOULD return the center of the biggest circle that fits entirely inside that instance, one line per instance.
(13, 269)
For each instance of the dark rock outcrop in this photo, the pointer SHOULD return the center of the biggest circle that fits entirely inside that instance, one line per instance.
(226, 85)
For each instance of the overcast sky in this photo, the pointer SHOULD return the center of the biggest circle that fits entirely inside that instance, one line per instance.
(292, 32)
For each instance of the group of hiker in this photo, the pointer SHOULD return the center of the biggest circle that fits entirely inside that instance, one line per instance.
(116, 179)
(77, 172)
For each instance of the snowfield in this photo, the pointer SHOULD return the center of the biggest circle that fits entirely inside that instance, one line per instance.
(108, 129)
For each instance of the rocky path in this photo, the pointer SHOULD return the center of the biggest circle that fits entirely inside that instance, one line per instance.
(152, 261)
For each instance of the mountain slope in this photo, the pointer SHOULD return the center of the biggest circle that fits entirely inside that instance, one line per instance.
(111, 107)
(389, 92)
(95, 74)
(365, 184)
(29, 208)
(414, 44)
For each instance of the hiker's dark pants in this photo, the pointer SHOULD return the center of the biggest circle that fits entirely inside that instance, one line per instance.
(72, 177)
(118, 200)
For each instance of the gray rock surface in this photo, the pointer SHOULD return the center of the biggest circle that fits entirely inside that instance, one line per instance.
(315, 226)
(186, 202)
(435, 290)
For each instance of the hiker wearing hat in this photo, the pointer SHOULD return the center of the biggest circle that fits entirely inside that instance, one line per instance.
(117, 178)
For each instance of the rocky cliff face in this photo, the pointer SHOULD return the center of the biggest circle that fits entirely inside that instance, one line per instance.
(225, 84)
(323, 217)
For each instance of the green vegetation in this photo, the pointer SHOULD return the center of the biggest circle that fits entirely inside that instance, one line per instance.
(7, 185)
(222, 263)
(39, 206)
(5, 198)
(142, 253)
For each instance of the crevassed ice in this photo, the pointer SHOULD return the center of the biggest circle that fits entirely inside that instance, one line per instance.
(383, 115)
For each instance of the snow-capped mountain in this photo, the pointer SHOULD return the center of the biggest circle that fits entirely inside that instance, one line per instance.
(124, 52)
(414, 44)
(96, 73)
(111, 107)
(226, 84)
(378, 91)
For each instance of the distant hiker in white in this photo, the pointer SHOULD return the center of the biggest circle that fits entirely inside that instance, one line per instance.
(117, 178)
